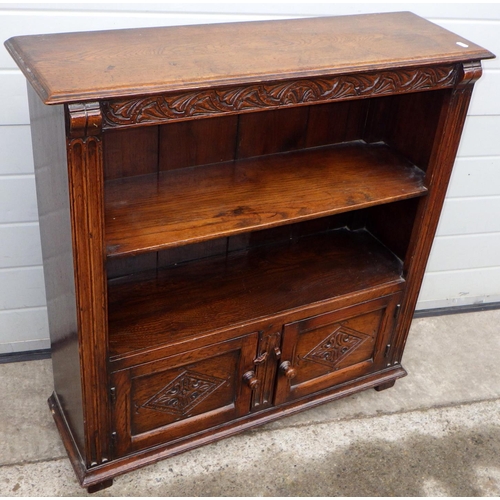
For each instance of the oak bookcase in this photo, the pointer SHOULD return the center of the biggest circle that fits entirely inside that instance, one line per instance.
(235, 218)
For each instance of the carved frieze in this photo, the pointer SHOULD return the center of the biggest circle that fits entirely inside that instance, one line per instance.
(254, 97)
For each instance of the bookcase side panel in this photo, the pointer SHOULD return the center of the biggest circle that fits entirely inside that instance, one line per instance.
(49, 151)
(452, 117)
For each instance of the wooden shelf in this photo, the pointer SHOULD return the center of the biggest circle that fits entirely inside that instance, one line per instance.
(177, 207)
(155, 308)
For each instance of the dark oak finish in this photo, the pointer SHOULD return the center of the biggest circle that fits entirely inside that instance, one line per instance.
(123, 157)
(188, 205)
(186, 105)
(235, 219)
(185, 144)
(86, 195)
(97, 66)
(387, 385)
(172, 305)
(183, 394)
(57, 250)
(442, 157)
(329, 349)
(122, 465)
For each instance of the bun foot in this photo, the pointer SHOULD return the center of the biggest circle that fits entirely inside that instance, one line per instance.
(100, 486)
(383, 387)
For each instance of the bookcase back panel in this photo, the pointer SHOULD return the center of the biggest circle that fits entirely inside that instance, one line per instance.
(396, 235)
(422, 111)
(146, 150)
(130, 152)
(197, 142)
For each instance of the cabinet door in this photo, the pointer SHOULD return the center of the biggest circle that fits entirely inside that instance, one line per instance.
(330, 349)
(187, 393)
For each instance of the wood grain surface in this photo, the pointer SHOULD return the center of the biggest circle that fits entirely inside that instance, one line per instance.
(97, 65)
(166, 306)
(183, 206)
(238, 268)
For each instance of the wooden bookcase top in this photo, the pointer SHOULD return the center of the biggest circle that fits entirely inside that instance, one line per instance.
(71, 67)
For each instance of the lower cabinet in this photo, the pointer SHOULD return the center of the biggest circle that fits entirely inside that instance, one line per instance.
(176, 397)
(333, 348)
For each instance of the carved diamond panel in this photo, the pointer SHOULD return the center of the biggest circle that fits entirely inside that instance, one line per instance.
(183, 393)
(337, 346)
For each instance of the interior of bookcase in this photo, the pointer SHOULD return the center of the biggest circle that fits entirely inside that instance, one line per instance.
(223, 220)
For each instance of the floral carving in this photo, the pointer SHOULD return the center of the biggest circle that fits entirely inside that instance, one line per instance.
(197, 103)
(183, 393)
(339, 344)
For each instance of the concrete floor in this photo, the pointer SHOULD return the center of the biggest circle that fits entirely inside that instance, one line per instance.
(435, 433)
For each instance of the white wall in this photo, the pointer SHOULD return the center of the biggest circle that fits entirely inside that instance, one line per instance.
(465, 261)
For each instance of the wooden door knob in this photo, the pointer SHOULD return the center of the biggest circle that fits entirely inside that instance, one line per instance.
(287, 370)
(251, 380)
